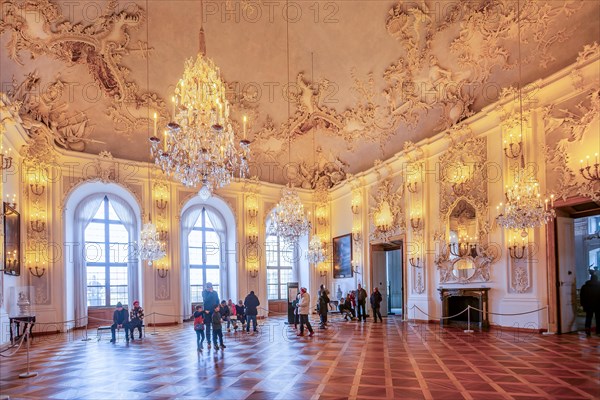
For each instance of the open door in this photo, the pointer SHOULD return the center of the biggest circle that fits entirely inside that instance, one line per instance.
(565, 244)
(380, 277)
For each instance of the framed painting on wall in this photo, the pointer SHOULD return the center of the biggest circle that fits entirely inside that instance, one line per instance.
(342, 256)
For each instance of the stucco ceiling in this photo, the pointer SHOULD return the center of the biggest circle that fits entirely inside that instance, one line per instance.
(374, 74)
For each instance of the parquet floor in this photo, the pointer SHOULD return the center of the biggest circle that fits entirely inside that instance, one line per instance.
(350, 360)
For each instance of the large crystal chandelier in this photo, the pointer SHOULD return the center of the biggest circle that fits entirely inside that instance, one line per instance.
(524, 208)
(199, 146)
(288, 220)
(151, 248)
(315, 253)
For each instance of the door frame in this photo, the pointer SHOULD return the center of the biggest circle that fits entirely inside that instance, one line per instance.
(394, 243)
(552, 264)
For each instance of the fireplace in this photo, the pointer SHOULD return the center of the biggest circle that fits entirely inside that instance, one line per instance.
(456, 300)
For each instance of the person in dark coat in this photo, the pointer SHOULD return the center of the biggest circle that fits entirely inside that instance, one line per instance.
(361, 302)
(240, 312)
(376, 300)
(210, 299)
(590, 301)
(136, 318)
(323, 306)
(251, 302)
(120, 320)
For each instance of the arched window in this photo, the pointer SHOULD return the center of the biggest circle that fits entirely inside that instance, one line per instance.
(281, 257)
(106, 255)
(204, 252)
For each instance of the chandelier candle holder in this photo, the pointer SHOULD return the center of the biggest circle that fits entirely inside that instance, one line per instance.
(462, 249)
(590, 172)
(39, 272)
(151, 248)
(513, 147)
(524, 208)
(383, 217)
(416, 222)
(315, 254)
(37, 184)
(199, 146)
(5, 158)
(37, 224)
(288, 219)
(415, 262)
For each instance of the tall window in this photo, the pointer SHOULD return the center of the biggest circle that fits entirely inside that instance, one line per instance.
(204, 256)
(106, 254)
(280, 260)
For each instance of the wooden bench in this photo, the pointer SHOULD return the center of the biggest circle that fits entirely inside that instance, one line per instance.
(103, 328)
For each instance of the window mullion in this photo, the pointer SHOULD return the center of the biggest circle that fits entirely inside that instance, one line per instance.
(106, 254)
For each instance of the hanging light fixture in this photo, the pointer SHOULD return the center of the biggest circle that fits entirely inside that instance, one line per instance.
(151, 248)
(288, 219)
(315, 254)
(524, 208)
(199, 146)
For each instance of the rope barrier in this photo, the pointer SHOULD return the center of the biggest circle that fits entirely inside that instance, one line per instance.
(19, 344)
(522, 313)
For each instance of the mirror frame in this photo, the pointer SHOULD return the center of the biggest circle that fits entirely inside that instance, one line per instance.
(15, 233)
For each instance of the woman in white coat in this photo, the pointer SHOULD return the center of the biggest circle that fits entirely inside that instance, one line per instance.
(304, 310)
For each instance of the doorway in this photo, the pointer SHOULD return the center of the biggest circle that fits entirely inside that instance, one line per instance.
(577, 254)
(388, 275)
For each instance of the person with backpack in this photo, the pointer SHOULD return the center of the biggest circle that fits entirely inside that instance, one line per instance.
(199, 327)
(251, 302)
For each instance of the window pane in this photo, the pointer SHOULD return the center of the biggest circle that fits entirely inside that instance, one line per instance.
(286, 259)
(95, 276)
(212, 276)
(96, 296)
(196, 276)
(118, 252)
(272, 292)
(118, 294)
(207, 223)
(95, 252)
(271, 276)
(118, 234)
(196, 294)
(112, 215)
(213, 249)
(195, 238)
(100, 212)
(94, 232)
(282, 291)
(285, 276)
(118, 276)
(195, 256)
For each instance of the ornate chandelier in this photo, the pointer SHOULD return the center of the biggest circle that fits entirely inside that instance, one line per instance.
(151, 248)
(199, 146)
(316, 253)
(524, 208)
(288, 220)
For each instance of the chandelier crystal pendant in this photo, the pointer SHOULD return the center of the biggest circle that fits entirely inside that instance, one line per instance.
(151, 248)
(316, 253)
(288, 219)
(199, 146)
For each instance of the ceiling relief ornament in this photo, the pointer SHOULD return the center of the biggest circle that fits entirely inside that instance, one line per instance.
(39, 27)
(419, 82)
(570, 134)
(387, 216)
(325, 172)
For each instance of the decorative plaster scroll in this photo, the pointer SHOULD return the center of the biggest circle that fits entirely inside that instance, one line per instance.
(386, 192)
(520, 277)
(575, 128)
(325, 173)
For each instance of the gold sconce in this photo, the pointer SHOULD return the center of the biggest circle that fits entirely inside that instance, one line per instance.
(12, 259)
(355, 202)
(37, 224)
(383, 217)
(162, 268)
(5, 158)
(415, 262)
(590, 172)
(163, 235)
(39, 272)
(515, 251)
(252, 234)
(253, 270)
(161, 195)
(252, 205)
(463, 249)
(513, 139)
(12, 203)
(162, 272)
(416, 222)
(161, 203)
(322, 272)
(356, 231)
(321, 214)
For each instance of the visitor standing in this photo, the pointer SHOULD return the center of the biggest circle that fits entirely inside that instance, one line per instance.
(376, 300)
(251, 302)
(323, 306)
(217, 328)
(590, 301)
(199, 327)
(210, 299)
(361, 301)
(303, 310)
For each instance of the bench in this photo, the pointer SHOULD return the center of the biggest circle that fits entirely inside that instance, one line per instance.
(103, 328)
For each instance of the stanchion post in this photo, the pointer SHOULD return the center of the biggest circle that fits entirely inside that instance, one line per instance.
(414, 323)
(86, 331)
(468, 330)
(154, 333)
(547, 322)
(28, 374)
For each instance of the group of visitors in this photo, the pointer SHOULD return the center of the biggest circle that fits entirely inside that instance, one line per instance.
(209, 317)
(128, 321)
(353, 305)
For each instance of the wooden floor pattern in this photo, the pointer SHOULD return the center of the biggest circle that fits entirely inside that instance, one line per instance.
(349, 360)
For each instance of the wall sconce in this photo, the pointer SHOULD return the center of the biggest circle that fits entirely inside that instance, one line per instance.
(355, 267)
(253, 235)
(321, 215)
(163, 235)
(37, 273)
(12, 203)
(161, 203)
(515, 251)
(412, 186)
(5, 158)
(12, 259)
(513, 147)
(322, 272)
(459, 187)
(37, 225)
(253, 271)
(252, 205)
(383, 217)
(162, 272)
(356, 235)
(355, 203)
(415, 262)
(587, 172)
